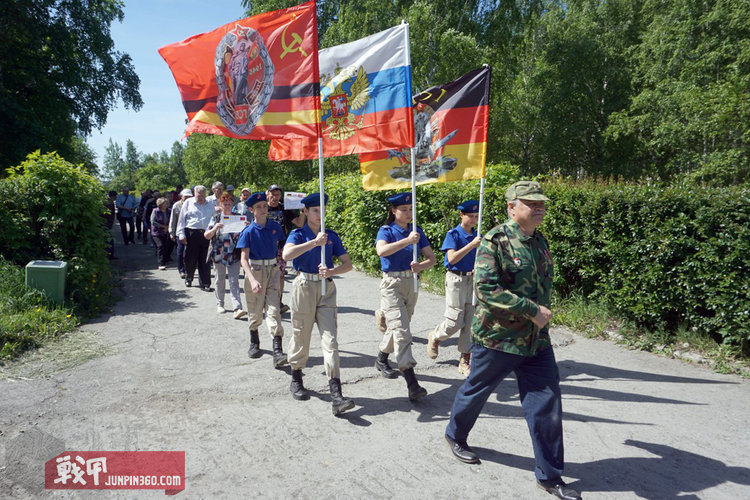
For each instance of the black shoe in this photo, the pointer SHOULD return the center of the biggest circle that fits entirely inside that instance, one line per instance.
(382, 365)
(254, 350)
(416, 391)
(462, 452)
(206, 288)
(188, 282)
(297, 389)
(283, 308)
(339, 404)
(560, 490)
(279, 358)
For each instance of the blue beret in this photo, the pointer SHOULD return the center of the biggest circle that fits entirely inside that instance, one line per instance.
(469, 207)
(313, 200)
(400, 199)
(255, 198)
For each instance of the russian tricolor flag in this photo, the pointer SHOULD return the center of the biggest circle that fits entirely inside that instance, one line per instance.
(366, 98)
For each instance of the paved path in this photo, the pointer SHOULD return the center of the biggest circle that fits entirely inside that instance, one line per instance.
(176, 376)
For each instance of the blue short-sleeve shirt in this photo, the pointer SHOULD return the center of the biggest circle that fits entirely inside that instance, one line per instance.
(308, 262)
(456, 239)
(263, 242)
(401, 260)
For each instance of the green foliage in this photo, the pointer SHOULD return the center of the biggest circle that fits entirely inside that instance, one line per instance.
(59, 73)
(664, 256)
(208, 158)
(690, 110)
(629, 88)
(53, 210)
(27, 317)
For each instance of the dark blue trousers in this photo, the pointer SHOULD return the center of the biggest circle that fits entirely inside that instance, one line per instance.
(180, 256)
(539, 388)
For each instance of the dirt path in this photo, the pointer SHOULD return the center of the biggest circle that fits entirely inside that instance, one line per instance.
(164, 371)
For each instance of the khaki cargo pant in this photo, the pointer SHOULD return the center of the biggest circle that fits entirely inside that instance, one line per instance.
(459, 291)
(309, 306)
(397, 301)
(268, 300)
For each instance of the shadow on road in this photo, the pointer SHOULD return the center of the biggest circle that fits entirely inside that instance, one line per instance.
(672, 473)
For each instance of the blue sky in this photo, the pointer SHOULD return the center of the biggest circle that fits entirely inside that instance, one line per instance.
(148, 25)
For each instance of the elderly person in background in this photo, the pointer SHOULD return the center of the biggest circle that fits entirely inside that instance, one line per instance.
(217, 188)
(126, 206)
(160, 231)
(240, 208)
(226, 263)
(230, 190)
(141, 223)
(148, 209)
(194, 217)
(184, 195)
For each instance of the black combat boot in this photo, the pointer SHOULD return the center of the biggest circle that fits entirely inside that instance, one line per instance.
(340, 403)
(416, 391)
(279, 358)
(384, 367)
(254, 351)
(298, 390)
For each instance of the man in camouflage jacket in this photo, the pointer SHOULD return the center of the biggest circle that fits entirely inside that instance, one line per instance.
(510, 333)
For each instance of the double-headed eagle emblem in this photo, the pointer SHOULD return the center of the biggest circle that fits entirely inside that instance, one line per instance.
(348, 89)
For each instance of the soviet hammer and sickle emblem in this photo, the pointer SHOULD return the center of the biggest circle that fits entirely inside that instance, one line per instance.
(294, 46)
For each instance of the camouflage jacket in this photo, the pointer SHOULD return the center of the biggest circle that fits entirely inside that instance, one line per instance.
(513, 277)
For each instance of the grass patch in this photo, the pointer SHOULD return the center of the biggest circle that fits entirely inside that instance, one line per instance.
(433, 280)
(28, 318)
(69, 350)
(597, 320)
(585, 316)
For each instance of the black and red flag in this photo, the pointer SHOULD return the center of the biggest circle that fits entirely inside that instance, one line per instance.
(450, 125)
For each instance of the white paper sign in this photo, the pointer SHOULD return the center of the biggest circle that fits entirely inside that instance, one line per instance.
(293, 201)
(233, 223)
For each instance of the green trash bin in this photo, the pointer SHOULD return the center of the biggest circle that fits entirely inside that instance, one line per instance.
(48, 276)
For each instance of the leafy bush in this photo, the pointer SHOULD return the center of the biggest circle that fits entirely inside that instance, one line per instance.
(664, 256)
(53, 210)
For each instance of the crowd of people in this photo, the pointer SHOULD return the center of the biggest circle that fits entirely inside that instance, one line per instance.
(507, 273)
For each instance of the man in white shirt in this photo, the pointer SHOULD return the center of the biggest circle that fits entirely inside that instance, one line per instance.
(194, 217)
(218, 189)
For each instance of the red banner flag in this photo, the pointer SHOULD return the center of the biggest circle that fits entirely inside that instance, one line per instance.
(256, 78)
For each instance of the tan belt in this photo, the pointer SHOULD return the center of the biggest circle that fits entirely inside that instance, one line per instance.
(312, 277)
(398, 274)
(263, 262)
(461, 273)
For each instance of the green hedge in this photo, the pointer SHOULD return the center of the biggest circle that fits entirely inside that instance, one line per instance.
(662, 256)
(52, 209)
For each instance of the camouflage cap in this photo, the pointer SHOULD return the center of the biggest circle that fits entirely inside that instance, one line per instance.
(525, 190)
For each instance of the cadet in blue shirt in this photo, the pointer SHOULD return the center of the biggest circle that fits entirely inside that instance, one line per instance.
(394, 245)
(309, 305)
(259, 243)
(460, 247)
